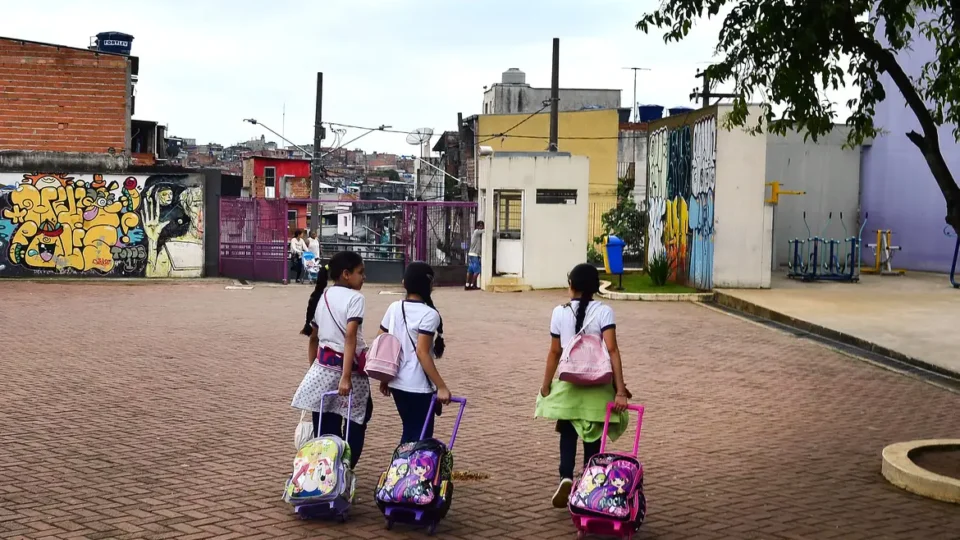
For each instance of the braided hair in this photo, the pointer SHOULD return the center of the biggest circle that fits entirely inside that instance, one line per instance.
(418, 279)
(345, 261)
(584, 280)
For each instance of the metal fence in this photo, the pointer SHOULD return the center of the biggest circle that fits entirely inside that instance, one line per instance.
(253, 239)
(255, 235)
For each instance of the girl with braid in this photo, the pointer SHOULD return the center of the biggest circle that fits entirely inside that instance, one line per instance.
(580, 410)
(416, 322)
(334, 324)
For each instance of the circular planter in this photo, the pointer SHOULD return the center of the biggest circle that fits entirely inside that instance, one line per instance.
(908, 465)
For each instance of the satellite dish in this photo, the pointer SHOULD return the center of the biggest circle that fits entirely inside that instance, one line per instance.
(420, 136)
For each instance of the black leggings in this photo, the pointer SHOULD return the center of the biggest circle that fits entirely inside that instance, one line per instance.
(332, 424)
(568, 448)
(413, 408)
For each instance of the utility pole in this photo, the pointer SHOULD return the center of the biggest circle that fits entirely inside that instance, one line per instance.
(634, 112)
(555, 98)
(464, 188)
(316, 172)
(705, 94)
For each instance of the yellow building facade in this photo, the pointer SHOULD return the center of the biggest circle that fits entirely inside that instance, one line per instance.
(590, 133)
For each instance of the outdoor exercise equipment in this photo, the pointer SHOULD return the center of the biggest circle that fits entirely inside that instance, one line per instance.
(883, 252)
(956, 253)
(819, 258)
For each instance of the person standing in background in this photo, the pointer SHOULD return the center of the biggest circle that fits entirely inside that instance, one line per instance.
(297, 247)
(473, 257)
(313, 245)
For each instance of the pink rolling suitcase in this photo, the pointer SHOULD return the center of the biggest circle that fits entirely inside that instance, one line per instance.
(608, 497)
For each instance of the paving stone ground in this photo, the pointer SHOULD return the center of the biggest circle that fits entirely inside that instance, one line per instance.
(162, 411)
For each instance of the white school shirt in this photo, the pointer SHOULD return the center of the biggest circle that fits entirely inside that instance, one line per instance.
(421, 319)
(563, 323)
(313, 245)
(347, 305)
(297, 246)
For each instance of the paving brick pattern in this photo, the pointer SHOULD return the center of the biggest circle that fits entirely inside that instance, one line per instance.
(162, 411)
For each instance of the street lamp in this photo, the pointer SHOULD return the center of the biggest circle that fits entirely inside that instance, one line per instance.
(266, 127)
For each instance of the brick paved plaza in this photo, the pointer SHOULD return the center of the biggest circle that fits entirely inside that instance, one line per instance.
(162, 410)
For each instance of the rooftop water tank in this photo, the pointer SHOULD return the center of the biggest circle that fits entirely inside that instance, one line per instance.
(680, 110)
(649, 113)
(514, 76)
(114, 42)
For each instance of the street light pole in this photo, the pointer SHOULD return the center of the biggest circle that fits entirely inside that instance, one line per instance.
(282, 138)
(634, 112)
(316, 164)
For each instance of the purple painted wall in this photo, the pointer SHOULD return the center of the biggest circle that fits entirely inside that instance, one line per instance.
(897, 189)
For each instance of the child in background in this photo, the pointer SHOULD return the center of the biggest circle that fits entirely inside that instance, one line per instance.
(580, 410)
(335, 325)
(473, 257)
(414, 321)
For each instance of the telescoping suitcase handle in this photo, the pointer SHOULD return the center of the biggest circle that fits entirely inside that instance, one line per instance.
(349, 409)
(606, 427)
(456, 425)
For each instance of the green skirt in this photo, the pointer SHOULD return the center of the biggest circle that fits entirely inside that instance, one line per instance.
(585, 407)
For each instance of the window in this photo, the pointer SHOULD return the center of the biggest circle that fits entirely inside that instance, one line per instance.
(344, 221)
(292, 220)
(510, 207)
(556, 196)
(270, 182)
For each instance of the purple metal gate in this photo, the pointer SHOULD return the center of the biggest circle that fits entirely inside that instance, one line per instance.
(253, 239)
(254, 235)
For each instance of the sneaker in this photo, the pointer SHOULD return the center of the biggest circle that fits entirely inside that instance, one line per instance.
(562, 496)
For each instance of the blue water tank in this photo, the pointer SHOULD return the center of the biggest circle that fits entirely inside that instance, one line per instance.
(114, 42)
(649, 113)
(680, 110)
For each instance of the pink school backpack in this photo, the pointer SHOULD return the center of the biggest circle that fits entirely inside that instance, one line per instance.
(585, 360)
(383, 357)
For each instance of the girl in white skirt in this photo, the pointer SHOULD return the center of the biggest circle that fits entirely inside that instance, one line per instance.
(335, 326)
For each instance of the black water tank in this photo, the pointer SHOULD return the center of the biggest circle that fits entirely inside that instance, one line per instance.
(114, 42)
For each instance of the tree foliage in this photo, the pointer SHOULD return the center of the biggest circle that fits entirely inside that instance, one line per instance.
(790, 51)
(625, 220)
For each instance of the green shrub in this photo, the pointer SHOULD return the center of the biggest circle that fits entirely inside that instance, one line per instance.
(594, 256)
(659, 269)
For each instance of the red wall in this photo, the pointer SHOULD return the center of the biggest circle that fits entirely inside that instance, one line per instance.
(298, 168)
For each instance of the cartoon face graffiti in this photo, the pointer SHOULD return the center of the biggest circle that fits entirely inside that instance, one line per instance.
(46, 246)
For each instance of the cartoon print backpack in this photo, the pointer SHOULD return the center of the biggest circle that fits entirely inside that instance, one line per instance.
(585, 360)
(417, 487)
(321, 473)
(608, 497)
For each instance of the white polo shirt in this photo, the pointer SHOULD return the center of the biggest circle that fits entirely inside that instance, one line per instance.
(346, 305)
(421, 319)
(563, 323)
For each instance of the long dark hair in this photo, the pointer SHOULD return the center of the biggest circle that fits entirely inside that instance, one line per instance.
(418, 279)
(345, 261)
(584, 279)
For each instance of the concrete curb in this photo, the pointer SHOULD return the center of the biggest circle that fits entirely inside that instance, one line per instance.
(652, 297)
(902, 472)
(738, 304)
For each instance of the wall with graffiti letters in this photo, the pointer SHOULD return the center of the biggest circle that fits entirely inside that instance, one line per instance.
(101, 225)
(710, 221)
(682, 162)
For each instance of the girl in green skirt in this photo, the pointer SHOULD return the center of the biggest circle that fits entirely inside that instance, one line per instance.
(581, 410)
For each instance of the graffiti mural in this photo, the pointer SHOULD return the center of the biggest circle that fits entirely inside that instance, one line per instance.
(657, 192)
(682, 184)
(703, 182)
(100, 225)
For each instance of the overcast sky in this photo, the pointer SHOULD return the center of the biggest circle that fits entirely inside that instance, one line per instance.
(205, 65)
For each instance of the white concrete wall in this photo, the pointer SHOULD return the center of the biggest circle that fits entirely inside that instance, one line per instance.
(554, 235)
(829, 173)
(742, 239)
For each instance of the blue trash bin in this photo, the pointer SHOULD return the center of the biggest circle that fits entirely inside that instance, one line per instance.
(614, 258)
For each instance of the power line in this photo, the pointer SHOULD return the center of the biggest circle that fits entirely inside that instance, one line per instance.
(491, 136)
(515, 126)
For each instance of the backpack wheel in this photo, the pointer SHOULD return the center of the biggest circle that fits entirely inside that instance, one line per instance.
(432, 529)
(389, 524)
(581, 535)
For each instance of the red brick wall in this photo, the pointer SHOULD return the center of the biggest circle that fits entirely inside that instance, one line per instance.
(61, 100)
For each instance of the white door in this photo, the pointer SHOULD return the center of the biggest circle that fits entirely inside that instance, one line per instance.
(508, 256)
